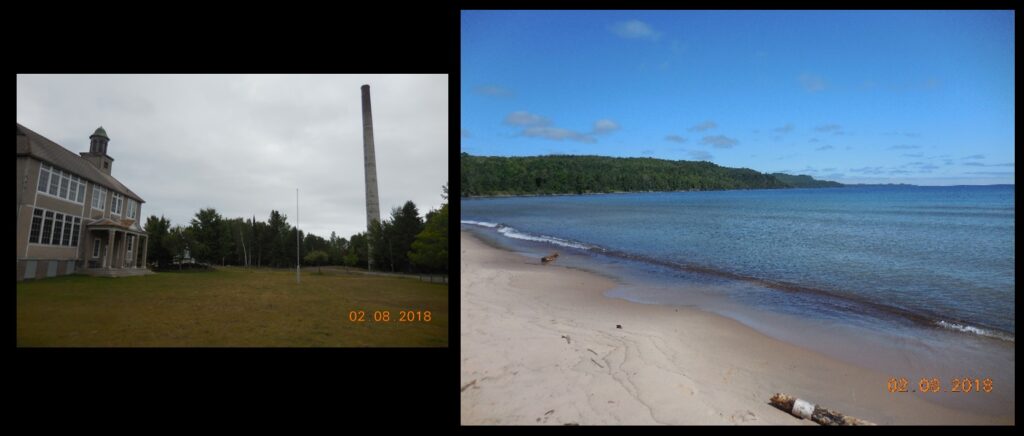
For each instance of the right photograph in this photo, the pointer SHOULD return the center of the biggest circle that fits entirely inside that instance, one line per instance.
(737, 218)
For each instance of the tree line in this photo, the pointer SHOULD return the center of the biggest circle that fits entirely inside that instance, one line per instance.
(403, 242)
(563, 174)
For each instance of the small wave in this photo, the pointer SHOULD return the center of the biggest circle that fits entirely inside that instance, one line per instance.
(974, 330)
(480, 223)
(515, 234)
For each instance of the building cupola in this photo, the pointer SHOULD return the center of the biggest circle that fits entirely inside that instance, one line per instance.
(97, 154)
(99, 141)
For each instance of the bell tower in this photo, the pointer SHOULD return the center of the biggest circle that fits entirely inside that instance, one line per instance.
(97, 154)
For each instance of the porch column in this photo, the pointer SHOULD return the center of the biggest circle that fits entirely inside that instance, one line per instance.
(124, 249)
(108, 259)
(145, 248)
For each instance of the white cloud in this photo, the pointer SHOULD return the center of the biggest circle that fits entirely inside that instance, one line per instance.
(635, 29)
(605, 126)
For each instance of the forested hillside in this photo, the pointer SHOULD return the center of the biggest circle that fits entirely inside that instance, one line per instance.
(485, 175)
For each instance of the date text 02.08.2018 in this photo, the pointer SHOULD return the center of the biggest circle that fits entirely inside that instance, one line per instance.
(385, 316)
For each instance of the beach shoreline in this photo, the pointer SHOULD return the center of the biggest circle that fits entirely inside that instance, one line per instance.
(541, 345)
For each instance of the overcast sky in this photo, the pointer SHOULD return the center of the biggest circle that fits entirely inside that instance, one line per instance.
(243, 144)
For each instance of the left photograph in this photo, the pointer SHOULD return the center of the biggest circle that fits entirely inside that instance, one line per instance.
(244, 211)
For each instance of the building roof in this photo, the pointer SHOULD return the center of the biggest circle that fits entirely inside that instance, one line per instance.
(124, 223)
(33, 144)
(100, 132)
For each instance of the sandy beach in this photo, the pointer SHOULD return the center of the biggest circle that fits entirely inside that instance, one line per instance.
(541, 344)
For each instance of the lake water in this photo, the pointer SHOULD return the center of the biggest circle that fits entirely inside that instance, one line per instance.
(908, 273)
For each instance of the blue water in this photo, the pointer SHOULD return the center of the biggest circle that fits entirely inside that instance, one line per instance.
(927, 256)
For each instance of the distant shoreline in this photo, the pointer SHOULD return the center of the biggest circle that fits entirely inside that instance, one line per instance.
(859, 185)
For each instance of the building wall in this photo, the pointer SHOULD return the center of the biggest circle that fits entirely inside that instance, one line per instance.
(58, 260)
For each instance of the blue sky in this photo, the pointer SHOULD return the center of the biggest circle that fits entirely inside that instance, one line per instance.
(924, 97)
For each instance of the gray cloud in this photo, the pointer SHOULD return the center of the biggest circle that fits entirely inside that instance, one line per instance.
(992, 173)
(675, 138)
(912, 155)
(720, 141)
(812, 83)
(244, 143)
(700, 155)
(979, 164)
(537, 126)
(814, 140)
(824, 147)
(904, 147)
(524, 118)
(868, 170)
(974, 156)
(494, 91)
(557, 134)
(785, 129)
(634, 29)
(647, 152)
(829, 128)
(465, 133)
(707, 125)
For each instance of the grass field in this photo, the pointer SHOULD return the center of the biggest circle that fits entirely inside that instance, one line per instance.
(231, 307)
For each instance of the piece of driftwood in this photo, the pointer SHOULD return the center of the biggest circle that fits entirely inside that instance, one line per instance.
(548, 259)
(820, 415)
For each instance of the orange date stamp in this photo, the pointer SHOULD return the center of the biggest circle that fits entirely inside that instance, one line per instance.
(934, 385)
(385, 316)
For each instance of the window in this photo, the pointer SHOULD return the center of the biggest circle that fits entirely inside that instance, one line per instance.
(61, 184)
(104, 165)
(44, 177)
(76, 231)
(96, 248)
(37, 222)
(130, 238)
(68, 221)
(58, 226)
(99, 197)
(131, 208)
(47, 227)
(54, 181)
(115, 206)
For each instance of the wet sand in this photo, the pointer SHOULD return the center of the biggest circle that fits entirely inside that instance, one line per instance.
(540, 345)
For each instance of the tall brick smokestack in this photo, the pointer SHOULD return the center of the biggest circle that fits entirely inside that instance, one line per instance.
(370, 166)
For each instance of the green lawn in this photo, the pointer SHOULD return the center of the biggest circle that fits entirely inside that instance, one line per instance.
(230, 307)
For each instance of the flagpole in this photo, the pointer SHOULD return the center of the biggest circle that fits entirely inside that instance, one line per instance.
(297, 263)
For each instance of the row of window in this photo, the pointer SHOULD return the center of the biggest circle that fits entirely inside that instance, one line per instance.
(54, 228)
(62, 184)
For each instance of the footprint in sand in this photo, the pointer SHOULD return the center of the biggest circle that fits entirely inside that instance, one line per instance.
(743, 416)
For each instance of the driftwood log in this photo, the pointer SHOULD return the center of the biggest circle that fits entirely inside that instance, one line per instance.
(548, 259)
(820, 415)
